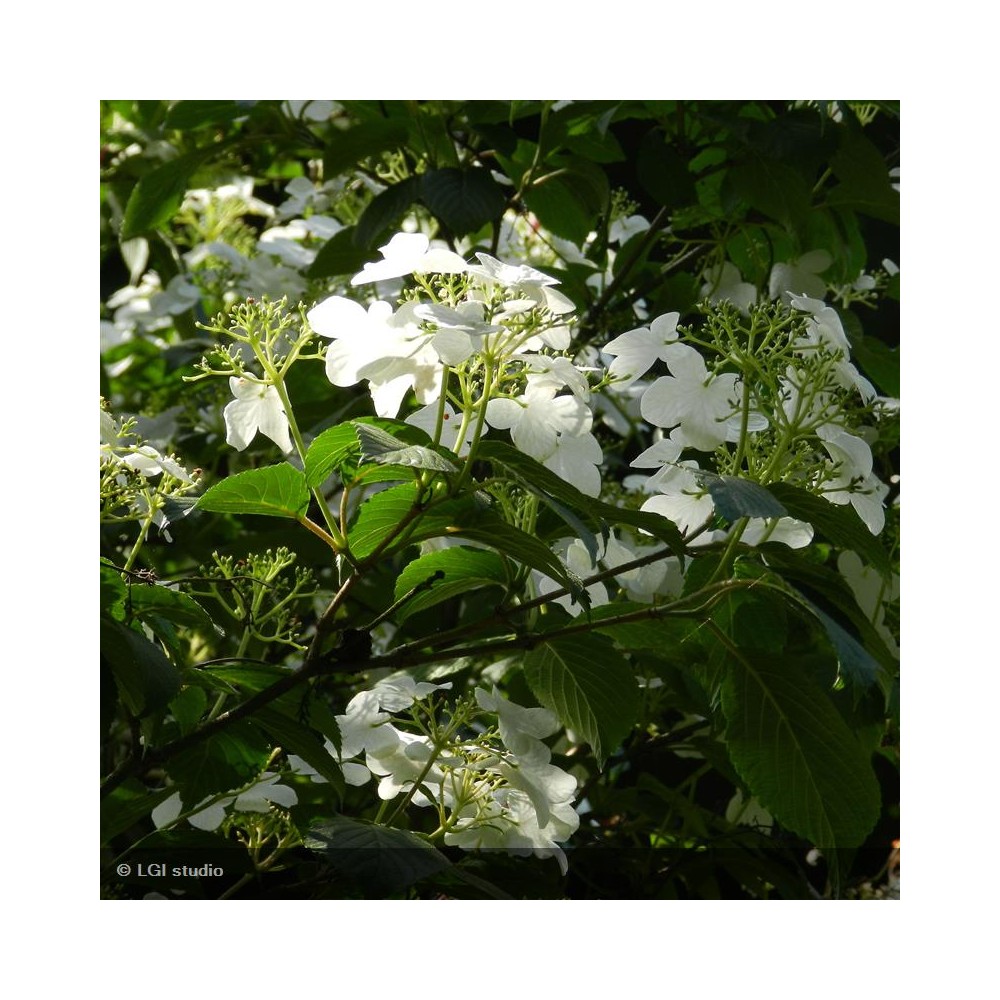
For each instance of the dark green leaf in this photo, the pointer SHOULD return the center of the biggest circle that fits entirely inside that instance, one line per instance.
(735, 497)
(588, 684)
(339, 255)
(128, 804)
(295, 738)
(275, 491)
(382, 857)
(856, 663)
(880, 363)
(380, 515)
(865, 183)
(773, 188)
(458, 569)
(384, 211)
(840, 524)
(146, 679)
(157, 196)
(365, 139)
(113, 591)
(535, 477)
(163, 602)
(188, 707)
(795, 752)
(188, 115)
(567, 195)
(464, 200)
(224, 762)
(663, 172)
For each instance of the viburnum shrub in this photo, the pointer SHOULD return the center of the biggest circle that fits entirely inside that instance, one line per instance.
(490, 553)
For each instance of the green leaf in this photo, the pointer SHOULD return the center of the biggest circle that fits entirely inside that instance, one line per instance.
(735, 497)
(339, 255)
(773, 188)
(381, 514)
(188, 707)
(275, 491)
(879, 362)
(460, 569)
(158, 195)
(365, 139)
(328, 451)
(795, 752)
(382, 857)
(146, 679)
(856, 663)
(113, 591)
(588, 684)
(663, 172)
(464, 200)
(384, 211)
(567, 195)
(381, 447)
(840, 523)
(188, 115)
(544, 483)
(147, 600)
(128, 804)
(224, 762)
(664, 634)
(295, 738)
(865, 183)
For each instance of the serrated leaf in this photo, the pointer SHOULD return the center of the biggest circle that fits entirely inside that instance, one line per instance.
(188, 707)
(274, 491)
(856, 664)
(158, 195)
(796, 753)
(339, 255)
(590, 687)
(840, 523)
(464, 200)
(381, 514)
(385, 858)
(735, 497)
(459, 569)
(146, 679)
(328, 450)
(384, 211)
(221, 763)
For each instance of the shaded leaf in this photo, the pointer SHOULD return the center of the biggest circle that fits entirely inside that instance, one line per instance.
(158, 195)
(339, 255)
(458, 570)
(223, 762)
(590, 687)
(146, 679)
(735, 497)
(382, 857)
(384, 211)
(464, 200)
(367, 138)
(795, 752)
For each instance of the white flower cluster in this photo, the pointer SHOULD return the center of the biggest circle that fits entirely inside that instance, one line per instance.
(490, 791)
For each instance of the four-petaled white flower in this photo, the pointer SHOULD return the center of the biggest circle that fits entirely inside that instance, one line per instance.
(700, 403)
(257, 407)
(800, 277)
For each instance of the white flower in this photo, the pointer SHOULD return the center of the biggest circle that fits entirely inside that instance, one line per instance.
(257, 798)
(426, 419)
(690, 397)
(537, 419)
(575, 459)
(147, 461)
(410, 253)
(257, 407)
(524, 280)
(801, 277)
(389, 349)
(636, 351)
(623, 229)
(872, 592)
(726, 284)
(854, 482)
